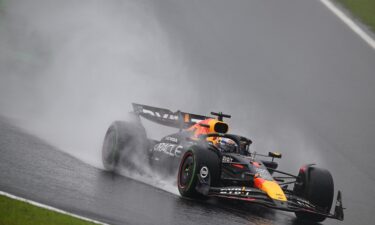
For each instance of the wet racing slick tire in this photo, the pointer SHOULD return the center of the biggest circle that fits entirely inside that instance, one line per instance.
(198, 170)
(316, 186)
(122, 141)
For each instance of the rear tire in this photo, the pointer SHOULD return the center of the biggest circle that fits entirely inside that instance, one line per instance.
(198, 164)
(316, 186)
(122, 140)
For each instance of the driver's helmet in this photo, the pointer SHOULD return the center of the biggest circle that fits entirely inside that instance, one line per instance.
(225, 144)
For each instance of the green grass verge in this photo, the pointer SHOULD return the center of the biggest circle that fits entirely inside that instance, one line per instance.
(363, 9)
(14, 212)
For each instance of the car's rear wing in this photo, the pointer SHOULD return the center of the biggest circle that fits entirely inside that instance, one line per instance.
(166, 117)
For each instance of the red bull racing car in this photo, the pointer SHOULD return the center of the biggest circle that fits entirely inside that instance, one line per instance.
(210, 162)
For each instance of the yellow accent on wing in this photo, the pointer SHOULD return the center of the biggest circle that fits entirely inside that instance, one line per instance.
(273, 190)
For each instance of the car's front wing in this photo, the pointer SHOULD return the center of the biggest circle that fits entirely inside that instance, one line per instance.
(293, 203)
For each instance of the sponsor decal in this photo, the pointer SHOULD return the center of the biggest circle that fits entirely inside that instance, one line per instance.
(162, 115)
(169, 149)
(235, 191)
(171, 139)
(168, 115)
(227, 159)
(203, 172)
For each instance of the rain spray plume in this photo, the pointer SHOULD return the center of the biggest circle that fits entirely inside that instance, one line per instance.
(68, 68)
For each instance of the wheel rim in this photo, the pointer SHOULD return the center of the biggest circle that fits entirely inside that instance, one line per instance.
(187, 171)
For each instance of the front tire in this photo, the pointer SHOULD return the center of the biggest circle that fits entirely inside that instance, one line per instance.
(199, 169)
(315, 185)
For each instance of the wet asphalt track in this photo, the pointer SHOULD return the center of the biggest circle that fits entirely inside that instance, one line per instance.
(318, 52)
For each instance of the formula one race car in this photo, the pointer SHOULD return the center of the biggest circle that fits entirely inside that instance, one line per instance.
(212, 163)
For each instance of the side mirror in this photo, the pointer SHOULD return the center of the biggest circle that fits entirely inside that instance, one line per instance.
(274, 155)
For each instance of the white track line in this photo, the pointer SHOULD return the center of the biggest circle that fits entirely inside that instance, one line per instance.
(349, 22)
(50, 208)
